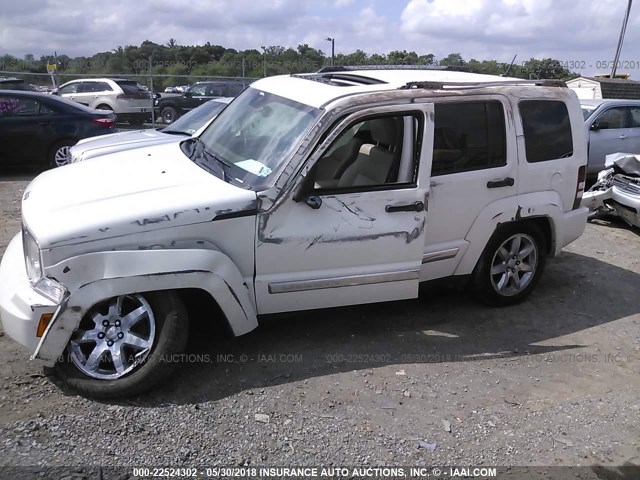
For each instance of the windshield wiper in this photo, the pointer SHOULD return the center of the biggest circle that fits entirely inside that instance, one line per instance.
(201, 157)
(175, 132)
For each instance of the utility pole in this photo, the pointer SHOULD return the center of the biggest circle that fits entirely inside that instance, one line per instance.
(333, 49)
(264, 61)
(620, 40)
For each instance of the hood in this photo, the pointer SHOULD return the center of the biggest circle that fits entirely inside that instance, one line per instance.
(117, 142)
(128, 192)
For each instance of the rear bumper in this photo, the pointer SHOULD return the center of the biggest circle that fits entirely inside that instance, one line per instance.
(20, 305)
(573, 225)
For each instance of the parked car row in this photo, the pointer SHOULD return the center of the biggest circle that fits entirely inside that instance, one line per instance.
(171, 107)
(129, 100)
(190, 124)
(38, 129)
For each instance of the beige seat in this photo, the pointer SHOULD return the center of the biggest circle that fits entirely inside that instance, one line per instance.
(375, 161)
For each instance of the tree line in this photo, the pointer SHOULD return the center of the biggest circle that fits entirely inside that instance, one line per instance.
(181, 61)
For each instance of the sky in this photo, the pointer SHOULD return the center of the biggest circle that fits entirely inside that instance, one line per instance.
(582, 34)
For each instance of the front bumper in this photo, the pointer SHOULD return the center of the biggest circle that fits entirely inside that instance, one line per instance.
(21, 307)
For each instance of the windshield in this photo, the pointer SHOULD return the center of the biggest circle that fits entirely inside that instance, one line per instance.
(587, 110)
(256, 134)
(194, 120)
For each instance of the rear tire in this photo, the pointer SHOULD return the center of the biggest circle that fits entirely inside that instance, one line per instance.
(169, 115)
(511, 264)
(164, 327)
(59, 155)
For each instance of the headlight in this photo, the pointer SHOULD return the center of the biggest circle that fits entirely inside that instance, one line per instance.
(32, 257)
(33, 261)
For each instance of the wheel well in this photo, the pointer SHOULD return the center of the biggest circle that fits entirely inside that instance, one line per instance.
(205, 315)
(544, 223)
(109, 107)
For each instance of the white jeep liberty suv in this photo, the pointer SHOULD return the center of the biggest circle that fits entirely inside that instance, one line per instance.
(308, 191)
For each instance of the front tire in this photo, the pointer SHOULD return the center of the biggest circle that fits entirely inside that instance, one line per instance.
(511, 265)
(124, 345)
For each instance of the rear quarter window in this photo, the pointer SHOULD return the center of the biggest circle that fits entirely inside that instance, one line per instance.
(130, 87)
(547, 130)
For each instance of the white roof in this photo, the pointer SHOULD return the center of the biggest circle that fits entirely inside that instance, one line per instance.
(316, 94)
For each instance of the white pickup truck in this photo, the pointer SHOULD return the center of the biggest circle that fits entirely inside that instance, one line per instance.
(308, 191)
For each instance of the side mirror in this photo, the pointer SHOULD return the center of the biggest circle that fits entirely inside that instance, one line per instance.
(187, 94)
(599, 125)
(304, 192)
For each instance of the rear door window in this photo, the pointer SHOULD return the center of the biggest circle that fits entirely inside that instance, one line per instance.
(547, 130)
(18, 106)
(468, 136)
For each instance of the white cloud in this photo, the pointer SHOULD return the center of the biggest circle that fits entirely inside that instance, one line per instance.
(562, 29)
(481, 29)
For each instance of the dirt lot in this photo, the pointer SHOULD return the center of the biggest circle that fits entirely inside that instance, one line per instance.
(437, 381)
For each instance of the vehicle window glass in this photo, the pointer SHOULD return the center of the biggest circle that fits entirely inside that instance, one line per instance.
(371, 153)
(547, 130)
(254, 137)
(235, 89)
(468, 136)
(199, 90)
(613, 118)
(71, 88)
(635, 117)
(101, 87)
(128, 86)
(46, 109)
(196, 118)
(86, 87)
(587, 111)
(217, 90)
(18, 107)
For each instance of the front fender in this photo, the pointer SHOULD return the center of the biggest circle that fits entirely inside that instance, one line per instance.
(94, 277)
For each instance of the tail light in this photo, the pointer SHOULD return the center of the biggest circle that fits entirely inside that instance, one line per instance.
(582, 175)
(124, 96)
(104, 122)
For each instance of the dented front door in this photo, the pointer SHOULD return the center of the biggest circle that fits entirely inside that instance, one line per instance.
(356, 241)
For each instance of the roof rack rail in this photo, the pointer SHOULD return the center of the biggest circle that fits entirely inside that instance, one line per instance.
(339, 78)
(428, 85)
(348, 68)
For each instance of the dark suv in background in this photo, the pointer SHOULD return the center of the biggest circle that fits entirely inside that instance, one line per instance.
(13, 83)
(169, 107)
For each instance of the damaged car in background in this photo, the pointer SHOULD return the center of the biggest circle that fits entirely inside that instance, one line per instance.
(617, 191)
(308, 191)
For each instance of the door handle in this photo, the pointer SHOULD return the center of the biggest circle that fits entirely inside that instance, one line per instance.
(505, 182)
(412, 207)
(46, 124)
(623, 136)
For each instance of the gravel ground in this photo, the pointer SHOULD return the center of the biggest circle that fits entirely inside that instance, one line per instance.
(437, 381)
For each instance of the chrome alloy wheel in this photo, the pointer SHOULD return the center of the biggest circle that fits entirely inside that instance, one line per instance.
(514, 265)
(114, 337)
(62, 156)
